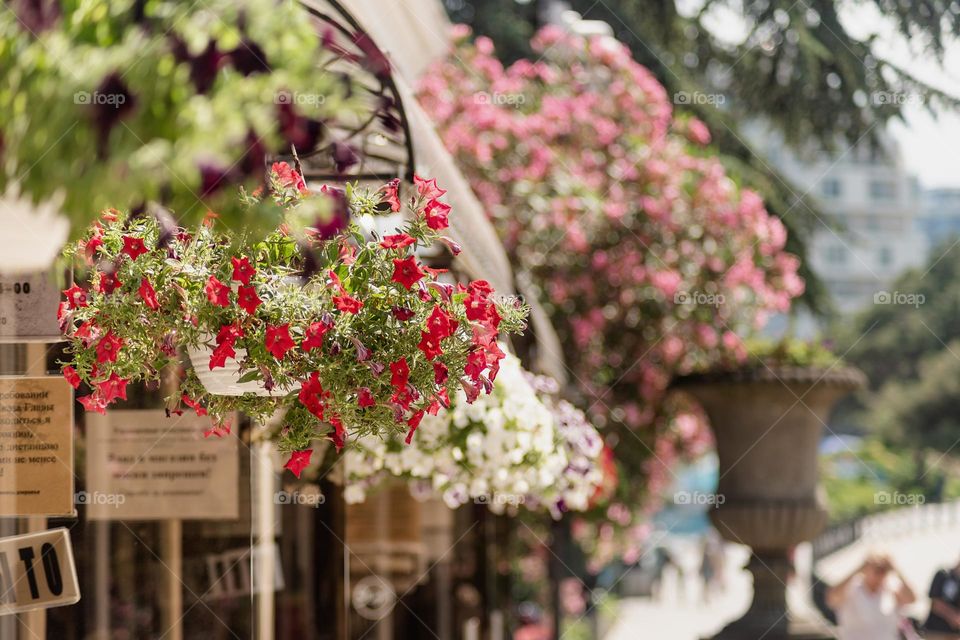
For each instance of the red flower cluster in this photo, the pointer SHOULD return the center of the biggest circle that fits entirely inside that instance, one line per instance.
(148, 295)
(440, 325)
(288, 177)
(278, 340)
(435, 212)
(226, 338)
(217, 293)
(406, 271)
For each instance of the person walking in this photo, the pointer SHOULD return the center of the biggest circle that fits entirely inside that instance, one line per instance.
(868, 606)
(943, 623)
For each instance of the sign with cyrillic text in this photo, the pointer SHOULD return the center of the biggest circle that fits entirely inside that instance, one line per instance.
(142, 465)
(37, 572)
(36, 446)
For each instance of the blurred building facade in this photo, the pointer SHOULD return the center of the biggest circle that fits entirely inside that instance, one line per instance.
(871, 231)
(940, 216)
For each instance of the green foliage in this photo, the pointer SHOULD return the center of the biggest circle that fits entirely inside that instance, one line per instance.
(867, 479)
(789, 352)
(125, 102)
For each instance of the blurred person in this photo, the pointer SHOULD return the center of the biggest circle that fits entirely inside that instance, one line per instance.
(712, 565)
(868, 606)
(531, 623)
(943, 623)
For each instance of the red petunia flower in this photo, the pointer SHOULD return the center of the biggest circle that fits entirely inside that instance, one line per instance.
(299, 460)
(288, 176)
(219, 356)
(414, 422)
(242, 269)
(476, 363)
(338, 432)
(133, 247)
(436, 215)
(71, 376)
(278, 340)
(217, 292)
(441, 323)
(108, 283)
(398, 241)
(217, 429)
(193, 404)
(313, 337)
(312, 395)
(148, 294)
(76, 297)
(427, 188)
(400, 373)
(108, 348)
(440, 373)
(93, 403)
(247, 299)
(113, 388)
(430, 345)
(87, 333)
(229, 334)
(391, 194)
(365, 398)
(347, 304)
(406, 271)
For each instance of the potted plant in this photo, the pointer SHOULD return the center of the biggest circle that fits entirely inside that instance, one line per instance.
(519, 445)
(768, 415)
(339, 333)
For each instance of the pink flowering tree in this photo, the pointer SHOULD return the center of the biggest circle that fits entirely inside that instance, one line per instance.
(651, 259)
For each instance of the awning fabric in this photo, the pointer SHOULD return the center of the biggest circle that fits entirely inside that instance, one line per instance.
(415, 33)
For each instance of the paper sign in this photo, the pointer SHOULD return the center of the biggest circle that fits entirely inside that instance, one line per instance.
(37, 572)
(36, 446)
(142, 465)
(28, 308)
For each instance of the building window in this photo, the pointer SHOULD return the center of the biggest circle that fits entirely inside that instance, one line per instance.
(836, 254)
(831, 188)
(882, 190)
(886, 256)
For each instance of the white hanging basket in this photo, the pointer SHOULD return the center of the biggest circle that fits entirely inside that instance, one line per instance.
(225, 381)
(33, 234)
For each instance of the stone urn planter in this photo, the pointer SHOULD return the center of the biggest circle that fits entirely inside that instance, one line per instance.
(768, 424)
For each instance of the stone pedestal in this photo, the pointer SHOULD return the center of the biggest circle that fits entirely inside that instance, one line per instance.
(768, 424)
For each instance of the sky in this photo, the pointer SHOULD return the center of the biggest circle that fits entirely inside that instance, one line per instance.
(928, 144)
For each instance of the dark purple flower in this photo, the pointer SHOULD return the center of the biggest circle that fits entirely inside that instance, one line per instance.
(297, 130)
(344, 156)
(111, 102)
(249, 58)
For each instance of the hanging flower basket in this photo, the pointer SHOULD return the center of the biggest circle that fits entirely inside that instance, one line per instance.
(345, 335)
(226, 381)
(516, 446)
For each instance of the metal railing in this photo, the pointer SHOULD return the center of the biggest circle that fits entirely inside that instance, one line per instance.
(884, 525)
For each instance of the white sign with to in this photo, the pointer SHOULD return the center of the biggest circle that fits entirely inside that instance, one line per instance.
(37, 572)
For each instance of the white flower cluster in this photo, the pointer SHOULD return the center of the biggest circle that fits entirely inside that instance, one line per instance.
(507, 448)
